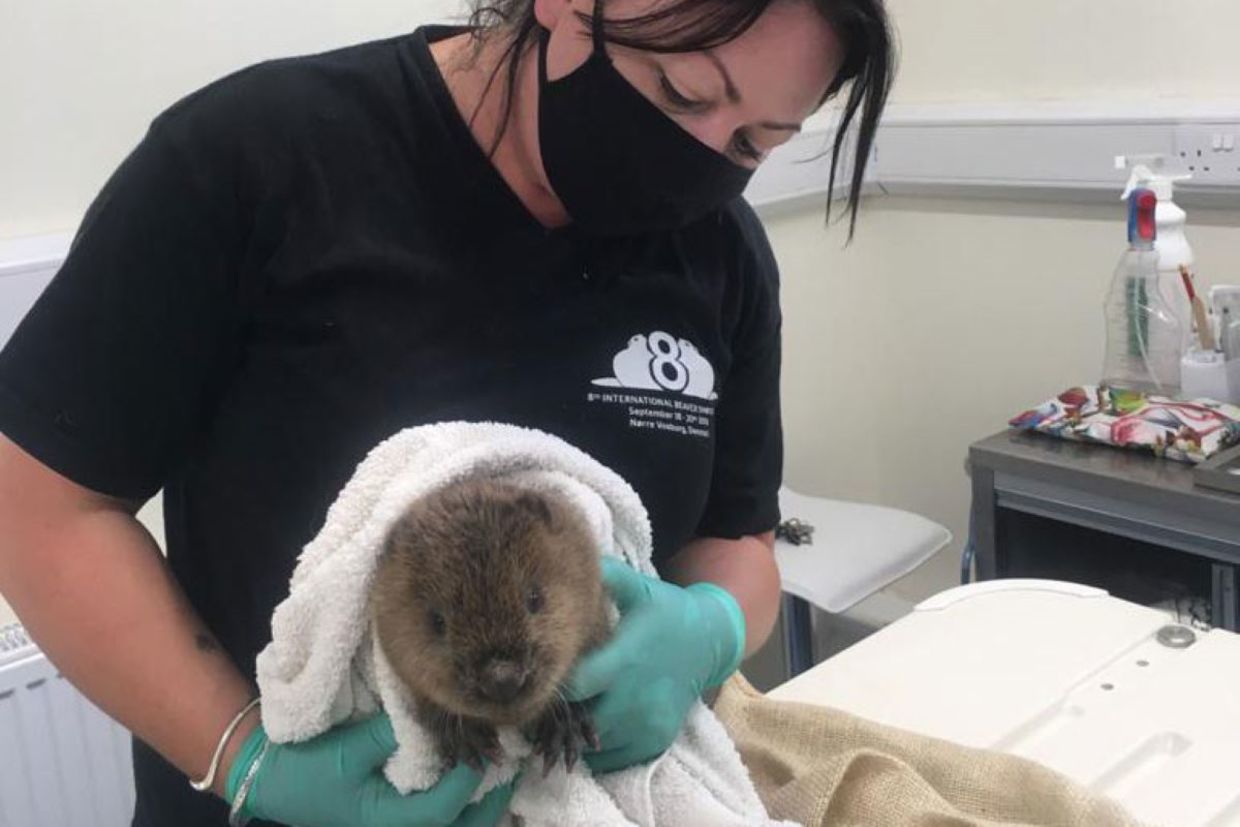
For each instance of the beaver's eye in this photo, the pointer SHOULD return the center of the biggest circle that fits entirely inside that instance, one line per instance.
(534, 600)
(438, 625)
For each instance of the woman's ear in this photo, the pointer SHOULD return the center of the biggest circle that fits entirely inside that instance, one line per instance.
(549, 13)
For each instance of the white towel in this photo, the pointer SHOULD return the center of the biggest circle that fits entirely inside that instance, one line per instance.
(324, 666)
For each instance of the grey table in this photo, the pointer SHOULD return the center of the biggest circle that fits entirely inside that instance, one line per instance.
(1044, 504)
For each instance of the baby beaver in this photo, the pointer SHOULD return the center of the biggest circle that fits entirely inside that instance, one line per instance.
(485, 597)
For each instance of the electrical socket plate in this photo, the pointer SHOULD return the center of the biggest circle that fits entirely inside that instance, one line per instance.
(1211, 152)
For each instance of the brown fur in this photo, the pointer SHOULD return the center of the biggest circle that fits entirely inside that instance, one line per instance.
(514, 575)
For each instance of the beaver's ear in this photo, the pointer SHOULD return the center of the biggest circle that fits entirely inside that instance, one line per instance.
(399, 536)
(536, 505)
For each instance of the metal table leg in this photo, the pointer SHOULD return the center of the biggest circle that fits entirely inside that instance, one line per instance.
(968, 555)
(798, 635)
(1226, 602)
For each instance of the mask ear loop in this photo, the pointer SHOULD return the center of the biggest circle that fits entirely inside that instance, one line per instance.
(543, 39)
(597, 37)
(596, 29)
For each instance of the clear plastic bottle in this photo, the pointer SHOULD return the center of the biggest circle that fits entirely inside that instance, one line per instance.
(1144, 335)
(1174, 250)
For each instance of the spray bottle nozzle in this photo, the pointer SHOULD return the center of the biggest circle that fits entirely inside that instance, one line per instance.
(1147, 170)
(1142, 229)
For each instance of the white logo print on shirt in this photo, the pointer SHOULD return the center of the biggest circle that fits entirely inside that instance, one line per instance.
(662, 362)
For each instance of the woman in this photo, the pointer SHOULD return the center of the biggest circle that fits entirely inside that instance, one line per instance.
(533, 221)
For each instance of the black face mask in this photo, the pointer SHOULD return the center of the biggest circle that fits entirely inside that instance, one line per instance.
(617, 162)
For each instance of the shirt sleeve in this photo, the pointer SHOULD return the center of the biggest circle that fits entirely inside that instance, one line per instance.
(749, 450)
(109, 377)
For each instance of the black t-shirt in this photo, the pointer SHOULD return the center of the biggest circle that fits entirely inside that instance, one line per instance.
(312, 254)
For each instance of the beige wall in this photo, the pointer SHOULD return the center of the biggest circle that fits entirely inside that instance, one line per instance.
(947, 317)
(940, 322)
(970, 50)
(81, 80)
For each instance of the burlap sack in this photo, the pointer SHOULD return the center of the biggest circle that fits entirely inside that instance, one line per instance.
(819, 766)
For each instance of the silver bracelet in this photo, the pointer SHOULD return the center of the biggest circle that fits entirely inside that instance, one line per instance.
(207, 782)
(235, 819)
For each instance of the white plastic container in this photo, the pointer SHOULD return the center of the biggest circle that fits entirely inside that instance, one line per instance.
(1225, 303)
(1205, 374)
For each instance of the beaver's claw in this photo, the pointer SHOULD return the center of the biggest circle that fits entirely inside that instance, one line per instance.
(466, 740)
(560, 731)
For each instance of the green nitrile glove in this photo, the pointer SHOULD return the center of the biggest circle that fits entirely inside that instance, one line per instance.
(671, 645)
(336, 780)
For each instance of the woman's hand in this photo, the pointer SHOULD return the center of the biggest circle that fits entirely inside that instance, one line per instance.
(671, 645)
(336, 780)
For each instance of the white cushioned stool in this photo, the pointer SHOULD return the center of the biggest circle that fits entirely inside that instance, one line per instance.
(857, 550)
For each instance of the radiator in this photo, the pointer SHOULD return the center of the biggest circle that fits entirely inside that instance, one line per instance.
(63, 763)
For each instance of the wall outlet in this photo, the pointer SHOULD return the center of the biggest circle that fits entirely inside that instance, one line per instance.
(1210, 151)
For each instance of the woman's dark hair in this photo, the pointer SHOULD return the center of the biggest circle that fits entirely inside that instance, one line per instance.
(695, 25)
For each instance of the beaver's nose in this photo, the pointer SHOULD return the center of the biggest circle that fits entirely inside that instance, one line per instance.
(502, 680)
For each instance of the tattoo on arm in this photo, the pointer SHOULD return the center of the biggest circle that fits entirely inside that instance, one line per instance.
(206, 643)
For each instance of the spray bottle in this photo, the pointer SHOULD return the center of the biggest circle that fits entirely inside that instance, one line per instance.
(1144, 337)
(1148, 171)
